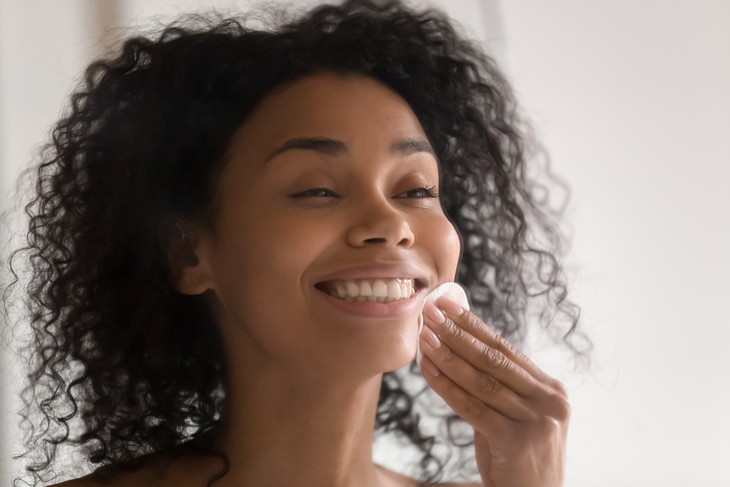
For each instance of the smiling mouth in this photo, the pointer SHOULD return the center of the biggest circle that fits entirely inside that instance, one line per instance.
(379, 290)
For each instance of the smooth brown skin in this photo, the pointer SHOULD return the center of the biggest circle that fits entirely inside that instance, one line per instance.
(305, 375)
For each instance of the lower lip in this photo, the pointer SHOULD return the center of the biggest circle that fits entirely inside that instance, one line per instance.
(373, 309)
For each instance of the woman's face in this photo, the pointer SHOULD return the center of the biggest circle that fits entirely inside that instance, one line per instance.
(325, 203)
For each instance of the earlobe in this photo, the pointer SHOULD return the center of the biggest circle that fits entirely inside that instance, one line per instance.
(195, 279)
(189, 261)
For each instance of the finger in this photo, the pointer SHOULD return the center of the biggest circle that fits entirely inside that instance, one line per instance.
(481, 355)
(479, 384)
(471, 323)
(478, 414)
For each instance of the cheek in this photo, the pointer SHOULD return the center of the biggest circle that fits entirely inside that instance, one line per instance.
(445, 246)
(252, 282)
(259, 273)
(259, 266)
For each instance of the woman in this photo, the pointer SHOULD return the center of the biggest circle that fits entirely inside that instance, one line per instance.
(233, 234)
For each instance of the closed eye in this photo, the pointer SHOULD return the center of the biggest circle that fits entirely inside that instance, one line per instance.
(316, 193)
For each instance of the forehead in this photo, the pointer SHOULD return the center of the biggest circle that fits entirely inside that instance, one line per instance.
(359, 110)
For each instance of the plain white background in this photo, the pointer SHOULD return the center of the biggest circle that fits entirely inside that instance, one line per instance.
(632, 100)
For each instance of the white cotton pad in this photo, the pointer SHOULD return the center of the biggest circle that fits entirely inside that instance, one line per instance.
(453, 291)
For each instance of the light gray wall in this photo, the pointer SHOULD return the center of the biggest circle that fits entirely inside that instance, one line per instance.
(44, 45)
(633, 101)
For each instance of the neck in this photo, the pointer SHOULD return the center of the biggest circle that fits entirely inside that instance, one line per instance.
(282, 428)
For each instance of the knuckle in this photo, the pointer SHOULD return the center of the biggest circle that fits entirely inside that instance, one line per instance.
(551, 427)
(473, 408)
(521, 355)
(473, 322)
(496, 359)
(453, 330)
(506, 344)
(447, 355)
(559, 388)
(504, 362)
(562, 407)
(493, 356)
(485, 359)
(488, 384)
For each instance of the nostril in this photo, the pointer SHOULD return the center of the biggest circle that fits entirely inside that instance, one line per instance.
(374, 240)
(391, 230)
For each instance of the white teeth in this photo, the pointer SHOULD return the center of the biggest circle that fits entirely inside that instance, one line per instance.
(406, 288)
(379, 290)
(353, 289)
(366, 290)
(395, 290)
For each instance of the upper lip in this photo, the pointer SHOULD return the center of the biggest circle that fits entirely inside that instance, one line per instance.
(393, 270)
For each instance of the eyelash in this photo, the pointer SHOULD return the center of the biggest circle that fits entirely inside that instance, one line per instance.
(429, 190)
(310, 193)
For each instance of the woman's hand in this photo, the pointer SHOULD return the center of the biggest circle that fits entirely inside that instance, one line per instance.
(519, 413)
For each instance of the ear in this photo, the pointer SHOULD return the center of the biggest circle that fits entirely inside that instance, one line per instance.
(189, 252)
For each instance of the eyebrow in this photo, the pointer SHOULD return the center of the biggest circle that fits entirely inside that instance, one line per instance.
(332, 147)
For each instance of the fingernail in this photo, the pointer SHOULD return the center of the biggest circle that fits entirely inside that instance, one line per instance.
(430, 337)
(432, 313)
(450, 307)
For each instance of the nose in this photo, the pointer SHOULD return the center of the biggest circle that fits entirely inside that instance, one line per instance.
(378, 222)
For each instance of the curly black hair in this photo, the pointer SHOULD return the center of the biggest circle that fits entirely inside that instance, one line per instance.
(122, 365)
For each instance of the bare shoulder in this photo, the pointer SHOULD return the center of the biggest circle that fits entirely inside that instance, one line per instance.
(148, 473)
(88, 481)
(72, 483)
(150, 477)
(123, 480)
